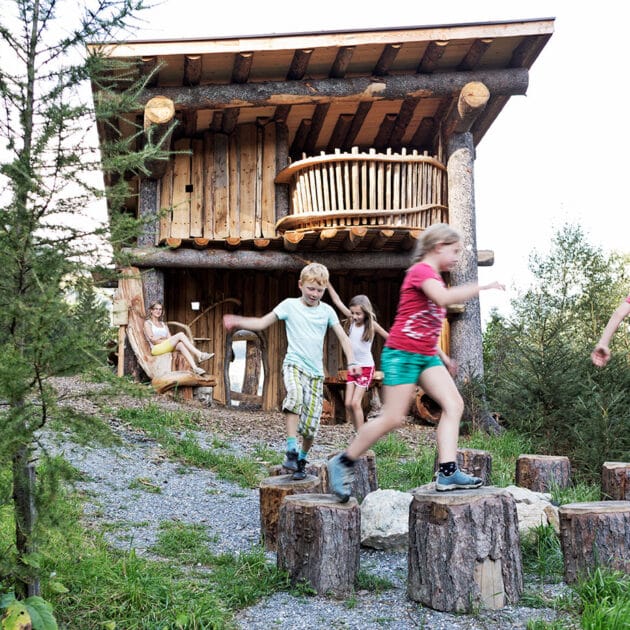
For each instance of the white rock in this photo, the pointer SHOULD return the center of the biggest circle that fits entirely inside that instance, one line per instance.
(385, 519)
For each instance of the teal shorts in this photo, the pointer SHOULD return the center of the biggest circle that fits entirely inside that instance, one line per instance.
(404, 368)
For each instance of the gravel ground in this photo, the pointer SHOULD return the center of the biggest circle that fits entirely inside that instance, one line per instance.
(113, 485)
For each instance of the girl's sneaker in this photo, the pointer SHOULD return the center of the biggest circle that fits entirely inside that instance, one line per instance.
(457, 481)
(340, 478)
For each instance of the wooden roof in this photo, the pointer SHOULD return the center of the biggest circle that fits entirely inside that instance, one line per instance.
(365, 88)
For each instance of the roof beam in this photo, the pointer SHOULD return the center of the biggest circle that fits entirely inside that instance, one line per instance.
(192, 69)
(242, 67)
(433, 53)
(341, 63)
(513, 81)
(299, 64)
(387, 58)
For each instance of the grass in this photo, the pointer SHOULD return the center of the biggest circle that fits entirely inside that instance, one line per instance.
(542, 554)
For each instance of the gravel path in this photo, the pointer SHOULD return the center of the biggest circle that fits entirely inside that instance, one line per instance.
(114, 477)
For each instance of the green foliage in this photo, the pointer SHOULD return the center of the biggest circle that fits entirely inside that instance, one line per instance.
(19, 613)
(605, 600)
(538, 370)
(542, 554)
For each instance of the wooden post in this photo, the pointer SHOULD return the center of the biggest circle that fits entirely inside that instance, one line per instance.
(616, 481)
(594, 534)
(319, 540)
(317, 468)
(464, 549)
(542, 473)
(475, 462)
(272, 491)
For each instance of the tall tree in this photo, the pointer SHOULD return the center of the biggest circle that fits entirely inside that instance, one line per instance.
(48, 234)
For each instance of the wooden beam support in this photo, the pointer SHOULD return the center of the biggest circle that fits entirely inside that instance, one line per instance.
(159, 119)
(385, 131)
(357, 122)
(291, 240)
(242, 67)
(486, 118)
(192, 69)
(471, 102)
(340, 132)
(485, 258)
(387, 58)
(511, 82)
(190, 123)
(230, 118)
(423, 136)
(325, 238)
(300, 138)
(341, 63)
(149, 68)
(282, 113)
(217, 121)
(232, 242)
(433, 53)
(527, 51)
(317, 122)
(297, 70)
(381, 238)
(267, 261)
(354, 236)
(474, 54)
(403, 119)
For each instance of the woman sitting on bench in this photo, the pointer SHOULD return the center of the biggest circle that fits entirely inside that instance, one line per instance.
(161, 340)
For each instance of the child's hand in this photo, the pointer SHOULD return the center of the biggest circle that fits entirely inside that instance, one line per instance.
(495, 285)
(600, 355)
(230, 321)
(354, 369)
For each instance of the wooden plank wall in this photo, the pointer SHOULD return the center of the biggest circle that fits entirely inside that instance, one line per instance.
(259, 292)
(221, 186)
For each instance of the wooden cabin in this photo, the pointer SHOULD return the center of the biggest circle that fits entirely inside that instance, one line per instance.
(336, 147)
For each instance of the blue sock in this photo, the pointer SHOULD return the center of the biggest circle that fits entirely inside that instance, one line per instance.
(302, 454)
(292, 444)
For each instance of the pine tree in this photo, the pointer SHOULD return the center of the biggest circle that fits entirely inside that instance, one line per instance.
(50, 174)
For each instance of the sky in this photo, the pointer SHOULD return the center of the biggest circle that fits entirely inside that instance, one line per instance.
(557, 155)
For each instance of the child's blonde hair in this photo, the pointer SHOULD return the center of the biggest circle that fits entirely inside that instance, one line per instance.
(315, 272)
(434, 235)
(363, 302)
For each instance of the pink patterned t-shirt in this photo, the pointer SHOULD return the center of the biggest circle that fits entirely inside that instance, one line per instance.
(418, 321)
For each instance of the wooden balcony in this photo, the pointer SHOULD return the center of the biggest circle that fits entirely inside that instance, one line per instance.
(370, 191)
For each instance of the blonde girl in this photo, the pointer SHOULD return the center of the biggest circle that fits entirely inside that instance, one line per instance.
(411, 356)
(161, 340)
(360, 326)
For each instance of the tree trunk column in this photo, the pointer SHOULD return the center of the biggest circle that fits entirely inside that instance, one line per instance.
(466, 342)
(148, 211)
(464, 549)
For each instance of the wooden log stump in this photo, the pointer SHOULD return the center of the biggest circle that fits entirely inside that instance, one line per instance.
(594, 534)
(365, 477)
(474, 462)
(542, 473)
(317, 468)
(616, 481)
(271, 493)
(464, 549)
(319, 540)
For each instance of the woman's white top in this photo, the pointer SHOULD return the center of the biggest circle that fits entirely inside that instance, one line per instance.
(158, 332)
(362, 350)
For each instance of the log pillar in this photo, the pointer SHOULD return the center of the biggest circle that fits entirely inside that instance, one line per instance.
(543, 473)
(474, 462)
(464, 549)
(319, 541)
(148, 212)
(594, 534)
(616, 481)
(272, 491)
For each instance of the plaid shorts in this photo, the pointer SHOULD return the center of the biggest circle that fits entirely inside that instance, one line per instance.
(305, 398)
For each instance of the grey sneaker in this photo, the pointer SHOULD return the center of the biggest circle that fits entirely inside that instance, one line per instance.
(291, 461)
(457, 481)
(340, 478)
(300, 473)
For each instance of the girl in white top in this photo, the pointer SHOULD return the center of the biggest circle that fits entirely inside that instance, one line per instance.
(361, 326)
(161, 340)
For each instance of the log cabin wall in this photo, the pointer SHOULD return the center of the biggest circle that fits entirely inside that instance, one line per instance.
(259, 292)
(221, 186)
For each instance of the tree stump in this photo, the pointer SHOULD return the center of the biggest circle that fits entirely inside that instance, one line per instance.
(464, 549)
(594, 534)
(271, 492)
(319, 540)
(317, 468)
(365, 477)
(474, 462)
(616, 481)
(543, 473)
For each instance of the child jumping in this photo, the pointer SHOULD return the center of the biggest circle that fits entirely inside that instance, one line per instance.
(410, 354)
(360, 326)
(601, 353)
(307, 319)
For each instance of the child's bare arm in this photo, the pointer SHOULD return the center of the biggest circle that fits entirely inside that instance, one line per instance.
(601, 353)
(380, 330)
(444, 296)
(334, 296)
(344, 340)
(232, 322)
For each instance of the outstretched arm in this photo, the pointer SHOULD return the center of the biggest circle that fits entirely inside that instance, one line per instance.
(601, 353)
(334, 296)
(344, 340)
(231, 322)
(445, 296)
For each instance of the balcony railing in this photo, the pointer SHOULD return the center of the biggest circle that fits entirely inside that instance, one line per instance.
(380, 190)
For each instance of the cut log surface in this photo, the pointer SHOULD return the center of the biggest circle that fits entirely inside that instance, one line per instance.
(317, 468)
(542, 473)
(594, 534)
(464, 549)
(272, 492)
(616, 481)
(319, 541)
